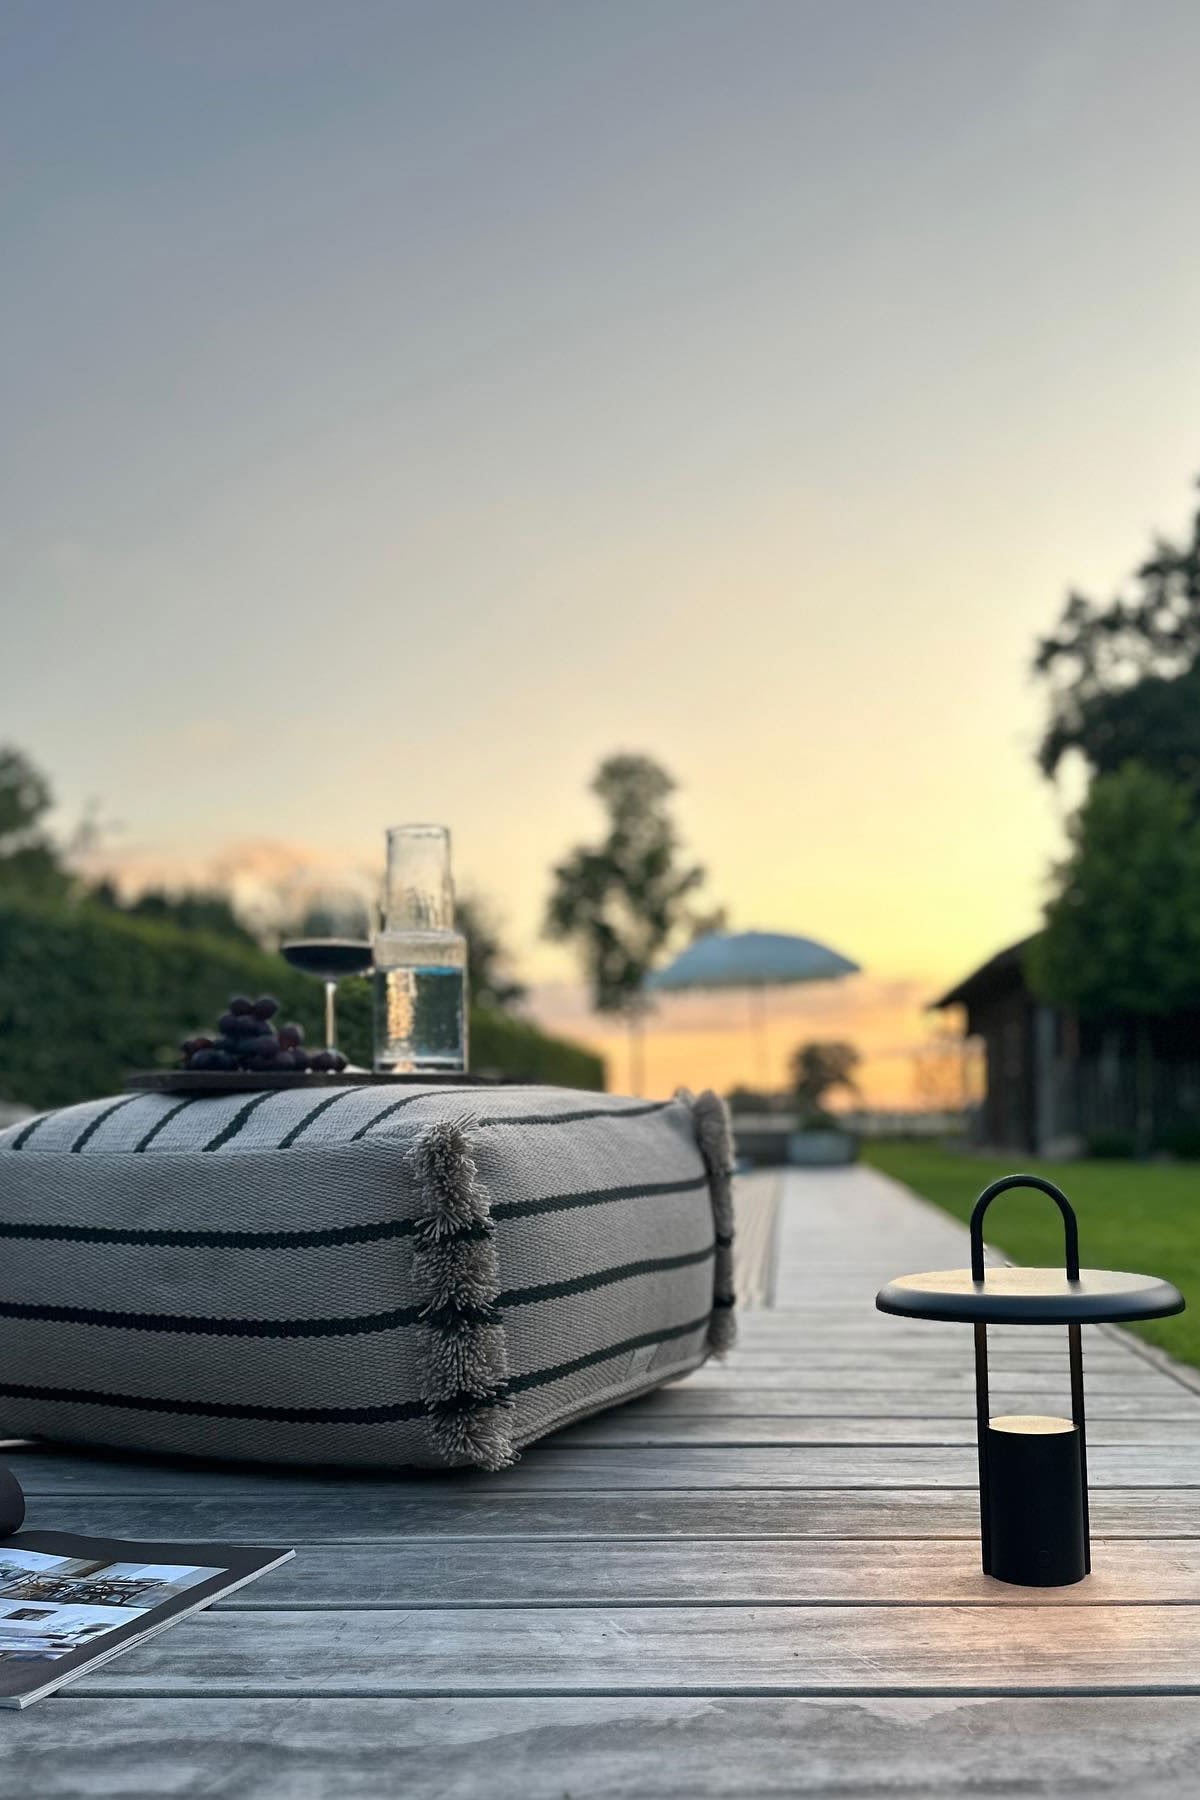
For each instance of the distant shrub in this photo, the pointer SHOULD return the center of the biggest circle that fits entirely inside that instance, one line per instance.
(518, 1051)
(1112, 1146)
(87, 994)
(819, 1120)
(1183, 1141)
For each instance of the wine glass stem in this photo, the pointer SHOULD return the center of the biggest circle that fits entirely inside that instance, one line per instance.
(330, 1015)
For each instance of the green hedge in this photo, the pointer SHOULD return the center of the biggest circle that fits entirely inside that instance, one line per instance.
(510, 1047)
(86, 994)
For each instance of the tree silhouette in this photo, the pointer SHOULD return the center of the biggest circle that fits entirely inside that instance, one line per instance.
(30, 861)
(1125, 678)
(816, 1069)
(623, 901)
(488, 977)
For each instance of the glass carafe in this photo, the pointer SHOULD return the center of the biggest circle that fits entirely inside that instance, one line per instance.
(420, 959)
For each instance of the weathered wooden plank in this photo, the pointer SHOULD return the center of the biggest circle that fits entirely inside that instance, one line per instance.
(686, 1400)
(846, 1321)
(916, 1354)
(834, 1304)
(756, 1211)
(828, 1292)
(843, 1466)
(833, 1307)
(850, 1340)
(606, 1749)
(847, 1363)
(300, 1513)
(630, 1649)
(879, 1333)
(548, 1467)
(736, 1430)
(730, 1571)
(897, 1375)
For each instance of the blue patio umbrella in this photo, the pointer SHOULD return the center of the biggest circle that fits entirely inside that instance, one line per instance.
(754, 960)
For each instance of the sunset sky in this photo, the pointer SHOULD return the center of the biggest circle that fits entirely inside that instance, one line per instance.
(408, 404)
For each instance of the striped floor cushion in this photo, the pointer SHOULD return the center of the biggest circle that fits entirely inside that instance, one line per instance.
(423, 1277)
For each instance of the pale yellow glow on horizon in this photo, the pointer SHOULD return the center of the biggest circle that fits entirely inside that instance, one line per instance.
(709, 1040)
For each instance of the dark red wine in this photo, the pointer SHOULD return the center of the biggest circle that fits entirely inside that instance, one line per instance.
(328, 958)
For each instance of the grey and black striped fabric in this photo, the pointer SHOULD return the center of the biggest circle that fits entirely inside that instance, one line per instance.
(422, 1276)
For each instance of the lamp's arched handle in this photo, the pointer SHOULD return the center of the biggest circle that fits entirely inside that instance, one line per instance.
(1070, 1226)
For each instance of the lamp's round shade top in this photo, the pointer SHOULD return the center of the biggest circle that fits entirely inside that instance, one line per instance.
(1016, 1296)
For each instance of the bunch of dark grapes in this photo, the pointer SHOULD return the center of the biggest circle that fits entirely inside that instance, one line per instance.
(249, 1041)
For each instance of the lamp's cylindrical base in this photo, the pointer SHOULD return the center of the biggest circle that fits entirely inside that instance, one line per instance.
(1037, 1535)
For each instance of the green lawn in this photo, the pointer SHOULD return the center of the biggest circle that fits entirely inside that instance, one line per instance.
(1141, 1216)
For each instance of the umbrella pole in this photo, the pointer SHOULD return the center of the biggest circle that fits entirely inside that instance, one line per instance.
(758, 1032)
(637, 1051)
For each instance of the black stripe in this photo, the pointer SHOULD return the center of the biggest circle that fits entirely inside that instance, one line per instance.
(606, 1112)
(583, 1284)
(342, 1415)
(238, 1120)
(540, 1377)
(91, 1129)
(285, 1143)
(235, 1124)
(453, 1405)
(23, 1136)
(164, 1121)
(408, 1100)
(223, 1409)
(236, 1240)
(215, 1240)
(330, 1237)
(450, 1318)
(458, 1316)
(350, 1326)
(525, 1209)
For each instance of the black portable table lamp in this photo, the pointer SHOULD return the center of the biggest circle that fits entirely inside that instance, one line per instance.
(1033, 1498)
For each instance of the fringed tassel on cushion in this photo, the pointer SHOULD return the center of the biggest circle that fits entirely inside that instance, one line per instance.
(465, 1359)
(714, 1134)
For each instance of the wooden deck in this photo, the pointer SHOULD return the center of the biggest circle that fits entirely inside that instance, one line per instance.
(763, 1580)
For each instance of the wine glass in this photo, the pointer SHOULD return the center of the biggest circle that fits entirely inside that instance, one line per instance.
(328, 934)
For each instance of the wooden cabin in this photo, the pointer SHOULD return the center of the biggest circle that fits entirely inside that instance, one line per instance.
(1057, 1084)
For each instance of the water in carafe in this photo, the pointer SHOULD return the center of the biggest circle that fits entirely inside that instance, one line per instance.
(420, 960)
(420, 1001)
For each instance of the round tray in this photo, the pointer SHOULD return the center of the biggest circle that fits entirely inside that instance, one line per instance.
(1021, 1296)
(249, 1081)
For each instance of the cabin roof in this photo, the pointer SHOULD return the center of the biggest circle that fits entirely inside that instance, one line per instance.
(1000, 974)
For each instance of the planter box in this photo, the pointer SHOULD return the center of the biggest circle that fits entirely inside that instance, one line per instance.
(763, 1144)
(821, 1149)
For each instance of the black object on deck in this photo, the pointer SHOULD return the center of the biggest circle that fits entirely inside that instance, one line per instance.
(1033, 1498)
(12, 1503)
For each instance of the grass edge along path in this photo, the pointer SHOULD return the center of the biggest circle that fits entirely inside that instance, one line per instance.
(1139, 1216)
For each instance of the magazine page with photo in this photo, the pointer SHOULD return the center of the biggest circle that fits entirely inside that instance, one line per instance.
(68, 1604)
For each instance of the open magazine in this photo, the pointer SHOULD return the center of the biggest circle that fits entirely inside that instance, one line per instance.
(68, 1604)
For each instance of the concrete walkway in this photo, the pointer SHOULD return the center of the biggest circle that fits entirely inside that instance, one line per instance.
(763, 1580)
